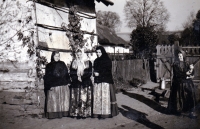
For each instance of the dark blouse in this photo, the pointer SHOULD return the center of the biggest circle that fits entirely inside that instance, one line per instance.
(56, 74)
(86, 81)
(104, 67)
(179, 71)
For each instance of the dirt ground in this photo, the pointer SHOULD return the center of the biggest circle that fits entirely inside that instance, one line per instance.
(137, 107)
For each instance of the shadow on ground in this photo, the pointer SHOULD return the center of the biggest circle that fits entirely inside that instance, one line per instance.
(151, 103)
(138, 116)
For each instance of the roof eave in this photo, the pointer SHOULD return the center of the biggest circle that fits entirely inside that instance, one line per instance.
(106, 2)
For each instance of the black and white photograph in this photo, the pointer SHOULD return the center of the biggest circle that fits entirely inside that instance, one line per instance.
(99, 64)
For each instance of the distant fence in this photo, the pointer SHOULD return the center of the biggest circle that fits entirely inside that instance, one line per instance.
(121, 56)
(129, 69)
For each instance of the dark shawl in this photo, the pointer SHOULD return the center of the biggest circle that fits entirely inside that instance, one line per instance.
(179, 73)
(182, 89)
(56, 74)
(86, 81)
(103, 65)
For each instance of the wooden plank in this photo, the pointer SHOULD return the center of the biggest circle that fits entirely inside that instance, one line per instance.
(54, 49)
(190, 55)
(11, 70)
(16, 65)
(123, 69)
(16, 77)
(130, 69)
(148, 71)
(6, 85)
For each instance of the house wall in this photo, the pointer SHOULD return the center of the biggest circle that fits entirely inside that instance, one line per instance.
(116, 49)
(17, 69)
(58, 39)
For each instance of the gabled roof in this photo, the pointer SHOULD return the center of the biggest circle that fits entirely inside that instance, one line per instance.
(106, 2)
(108, 37)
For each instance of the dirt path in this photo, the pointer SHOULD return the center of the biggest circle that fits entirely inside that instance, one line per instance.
(137, 110)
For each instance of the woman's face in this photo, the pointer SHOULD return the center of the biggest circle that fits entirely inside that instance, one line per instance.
(99, 53)
(57, 57)
(180, 56)
(79, 55)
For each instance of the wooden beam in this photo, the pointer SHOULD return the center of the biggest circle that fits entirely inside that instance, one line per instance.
(106, 2)
(14, 66)
(62, 29)
(16, 84)
(16, 77)
(62, 9)
(53, 49)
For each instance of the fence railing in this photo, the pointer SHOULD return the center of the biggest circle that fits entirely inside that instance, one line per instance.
(165, 57)
(191, 50)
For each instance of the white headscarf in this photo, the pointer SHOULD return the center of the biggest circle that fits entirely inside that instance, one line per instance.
(80, 65)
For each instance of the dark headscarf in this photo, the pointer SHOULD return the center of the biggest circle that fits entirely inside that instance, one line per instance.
(53, 54)
(56, 73)
(103, 51)
(103, 65)
(180, 51)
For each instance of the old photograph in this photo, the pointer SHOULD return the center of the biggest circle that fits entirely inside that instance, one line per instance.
(99, 64)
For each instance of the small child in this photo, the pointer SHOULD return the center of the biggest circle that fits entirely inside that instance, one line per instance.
(190, 72)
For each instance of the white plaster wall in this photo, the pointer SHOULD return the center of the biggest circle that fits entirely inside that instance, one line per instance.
(11, 12)
(119, 49)
(116, 49)
(13, 56)
(126, 50)
(58, 39)
(109, 49)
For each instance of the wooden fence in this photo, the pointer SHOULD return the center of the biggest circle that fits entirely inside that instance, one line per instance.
(129, 69)
(193, 56)
(165, 57)
(164, 60)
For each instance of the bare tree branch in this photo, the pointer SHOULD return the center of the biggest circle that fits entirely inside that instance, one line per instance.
(109, 19)
(146, 13)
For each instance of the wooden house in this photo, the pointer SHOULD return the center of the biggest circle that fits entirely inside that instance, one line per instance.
(34, 28)
(111, 42)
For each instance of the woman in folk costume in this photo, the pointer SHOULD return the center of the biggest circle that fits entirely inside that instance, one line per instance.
(81, 88)
(182, 97)
(56, 82)
(104, 105)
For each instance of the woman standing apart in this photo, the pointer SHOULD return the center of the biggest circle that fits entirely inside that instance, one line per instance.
(182, 96)
(56, 82)
(81, 88)
(104, 105)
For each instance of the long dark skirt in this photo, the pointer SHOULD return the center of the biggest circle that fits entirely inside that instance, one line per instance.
(183, 96)
(57, 102)
(105, 104)
(80, 102)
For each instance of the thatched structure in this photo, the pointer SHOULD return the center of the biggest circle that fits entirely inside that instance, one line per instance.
(108, 37)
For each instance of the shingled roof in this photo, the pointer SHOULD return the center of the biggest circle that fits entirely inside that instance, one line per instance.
(106, 2)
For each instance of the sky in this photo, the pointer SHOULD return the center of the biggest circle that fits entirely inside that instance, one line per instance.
(179, 10)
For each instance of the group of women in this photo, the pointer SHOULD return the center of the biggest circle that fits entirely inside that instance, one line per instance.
(72, 93)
